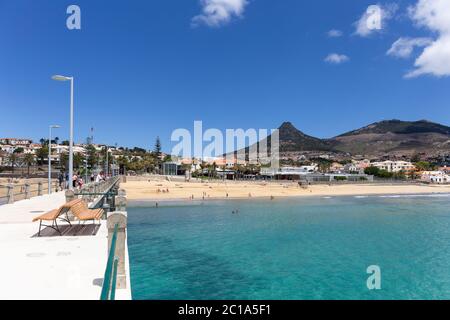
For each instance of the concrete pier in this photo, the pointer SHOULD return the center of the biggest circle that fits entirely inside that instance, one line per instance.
(53, 267)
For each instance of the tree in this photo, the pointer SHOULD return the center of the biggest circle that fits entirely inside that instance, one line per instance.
(41, 154)
(123, 164)
(92, 156)
(19, 150)
(148, 163)
(64, 161)
(157, 152)
(424, 166)
(12, 158)
(372, 171)
(77, 160)
(29, 161)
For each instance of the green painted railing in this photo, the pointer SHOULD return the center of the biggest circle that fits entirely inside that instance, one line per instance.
(109, 280)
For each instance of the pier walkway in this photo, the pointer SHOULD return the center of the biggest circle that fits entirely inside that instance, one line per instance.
(69, 267)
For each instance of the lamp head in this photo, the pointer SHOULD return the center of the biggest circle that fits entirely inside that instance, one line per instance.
(61, 78)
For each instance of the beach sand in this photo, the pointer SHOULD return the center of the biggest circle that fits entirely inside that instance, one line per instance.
(148, 190)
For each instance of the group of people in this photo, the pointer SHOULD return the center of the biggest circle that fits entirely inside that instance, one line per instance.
(77, 179)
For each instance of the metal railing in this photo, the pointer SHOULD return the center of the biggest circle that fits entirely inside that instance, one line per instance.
(97, 188)
(110, 278)
(11, 192)
(98, 193)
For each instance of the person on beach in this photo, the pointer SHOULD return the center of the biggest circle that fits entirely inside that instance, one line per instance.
(100, 177)
(74, 180)
(61, 180)
(80, 183)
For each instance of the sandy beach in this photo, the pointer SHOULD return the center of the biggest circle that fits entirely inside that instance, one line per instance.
(171, 190)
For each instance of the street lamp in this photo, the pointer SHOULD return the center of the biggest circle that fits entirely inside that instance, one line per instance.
(55, 126)
(64, 78)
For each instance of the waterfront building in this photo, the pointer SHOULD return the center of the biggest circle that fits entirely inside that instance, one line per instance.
(394, 166)
(439, 177)
(170, 168)
(332, 177)
(288, 173)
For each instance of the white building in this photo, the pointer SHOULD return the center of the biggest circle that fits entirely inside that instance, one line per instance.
(16, 142)
(439, 177)
(394, 166)
(7, 148)
(289, 171)
(352, 168)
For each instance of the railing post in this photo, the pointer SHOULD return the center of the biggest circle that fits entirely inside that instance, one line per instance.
(27, 190)
(86, 197)
(91, 191)
(10, 193)
(119, 218)
(121, 201)
(39, 189)
(70, 195)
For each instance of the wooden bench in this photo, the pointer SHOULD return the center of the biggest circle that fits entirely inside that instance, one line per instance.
(55, 214)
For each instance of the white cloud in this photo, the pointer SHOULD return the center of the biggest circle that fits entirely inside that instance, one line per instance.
(335, 58)
(403, 47)
(333, 33)
(435, 58)
(216, 13)
(374, 19)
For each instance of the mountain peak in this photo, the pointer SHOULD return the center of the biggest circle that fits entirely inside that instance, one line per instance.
(287, 126)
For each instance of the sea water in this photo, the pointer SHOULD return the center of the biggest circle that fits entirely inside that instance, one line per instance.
(292, 248)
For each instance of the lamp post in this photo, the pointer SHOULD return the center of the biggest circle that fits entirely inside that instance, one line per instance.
(71, 79)
(107, 162)
(55, 126)
(86, 171)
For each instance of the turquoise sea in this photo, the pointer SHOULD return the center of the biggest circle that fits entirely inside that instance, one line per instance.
(302, 248)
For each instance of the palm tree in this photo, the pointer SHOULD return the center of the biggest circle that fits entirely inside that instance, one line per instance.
(63, 161)
(29, 161)
(41, 154)
(214, 169)
(12, 158)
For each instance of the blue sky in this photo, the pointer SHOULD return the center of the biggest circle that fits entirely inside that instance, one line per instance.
(145, 68)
